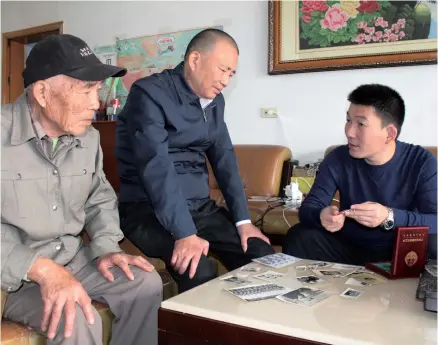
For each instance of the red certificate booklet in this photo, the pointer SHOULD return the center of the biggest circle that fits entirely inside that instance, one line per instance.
(409, 254)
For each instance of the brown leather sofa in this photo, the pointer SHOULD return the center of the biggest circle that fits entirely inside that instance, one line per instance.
(260, 167)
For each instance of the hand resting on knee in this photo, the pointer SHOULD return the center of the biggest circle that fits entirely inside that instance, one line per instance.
(60, 291)
(186, 250)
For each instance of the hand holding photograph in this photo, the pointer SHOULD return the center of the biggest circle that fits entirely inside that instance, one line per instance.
(307, 36)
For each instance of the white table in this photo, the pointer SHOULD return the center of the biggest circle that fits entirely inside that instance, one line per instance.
(386, 314)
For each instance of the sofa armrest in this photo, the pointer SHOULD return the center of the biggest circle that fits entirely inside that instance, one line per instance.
(3, 301)
(260, 168)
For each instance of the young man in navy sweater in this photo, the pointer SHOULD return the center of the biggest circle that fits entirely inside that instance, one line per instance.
(383, 183)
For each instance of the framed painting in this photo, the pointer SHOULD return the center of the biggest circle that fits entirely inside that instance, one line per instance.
(309, 36)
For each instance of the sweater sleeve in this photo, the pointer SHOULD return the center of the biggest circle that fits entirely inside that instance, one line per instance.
(424, 201)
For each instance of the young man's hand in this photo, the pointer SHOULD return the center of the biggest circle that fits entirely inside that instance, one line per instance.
(370, 214)
(331, 219)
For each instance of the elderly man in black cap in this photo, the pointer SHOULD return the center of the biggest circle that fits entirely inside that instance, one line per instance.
(53, 188)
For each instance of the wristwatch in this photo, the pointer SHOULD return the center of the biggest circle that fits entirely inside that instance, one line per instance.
(388, 223)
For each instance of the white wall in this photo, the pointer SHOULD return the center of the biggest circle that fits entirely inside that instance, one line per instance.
(312, 105)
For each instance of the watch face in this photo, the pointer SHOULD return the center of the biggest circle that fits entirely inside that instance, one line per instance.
(388, 225)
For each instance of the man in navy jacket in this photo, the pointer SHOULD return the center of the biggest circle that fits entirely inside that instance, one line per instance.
(171, 124)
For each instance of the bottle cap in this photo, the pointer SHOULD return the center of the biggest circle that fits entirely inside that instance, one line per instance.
(115, 102)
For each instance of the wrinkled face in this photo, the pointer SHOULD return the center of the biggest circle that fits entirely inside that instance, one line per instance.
(70, 104)
(367, 136)
(211, 72)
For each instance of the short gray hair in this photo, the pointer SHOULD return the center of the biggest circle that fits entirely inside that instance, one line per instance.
(205, 40)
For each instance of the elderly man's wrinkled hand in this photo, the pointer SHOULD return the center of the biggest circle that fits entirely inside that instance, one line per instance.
(60, 291)
(122, 260)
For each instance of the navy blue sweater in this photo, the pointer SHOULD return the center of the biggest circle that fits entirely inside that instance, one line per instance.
(163, 140)
(407, 183)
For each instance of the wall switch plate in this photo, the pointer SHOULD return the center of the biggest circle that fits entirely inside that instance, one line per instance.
(269, 113)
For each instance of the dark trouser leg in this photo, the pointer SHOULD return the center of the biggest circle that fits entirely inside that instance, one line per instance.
(215, 225)
(141, 227)
(320, 244)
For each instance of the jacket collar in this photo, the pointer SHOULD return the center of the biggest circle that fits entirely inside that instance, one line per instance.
(185, 92)
(23, 128)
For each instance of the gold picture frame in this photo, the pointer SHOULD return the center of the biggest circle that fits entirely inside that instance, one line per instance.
(308, 39)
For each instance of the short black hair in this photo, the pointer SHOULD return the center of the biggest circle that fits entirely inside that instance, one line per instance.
(387, 102)
(206, 39)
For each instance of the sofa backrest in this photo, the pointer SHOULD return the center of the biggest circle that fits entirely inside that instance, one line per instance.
(260, 167)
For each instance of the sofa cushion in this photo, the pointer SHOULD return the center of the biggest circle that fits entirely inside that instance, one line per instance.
(16, 334)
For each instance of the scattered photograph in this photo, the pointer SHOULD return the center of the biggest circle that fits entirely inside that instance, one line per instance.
(251, 269)
(277, 260)
(351, 293)
(269, 276)
(258, 292)
(354, 282)
(310, 279)
(328, 272)
(304, 296)
(367, 279)
(347, 267)
(234, 280)
(318, 264)
(432, 269)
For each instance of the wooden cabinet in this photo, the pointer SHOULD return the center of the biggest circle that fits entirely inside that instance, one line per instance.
(107, 131)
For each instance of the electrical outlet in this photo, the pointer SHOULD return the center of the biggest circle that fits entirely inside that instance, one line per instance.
(269, 113)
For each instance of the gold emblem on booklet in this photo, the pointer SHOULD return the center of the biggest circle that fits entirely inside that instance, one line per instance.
(411, 258)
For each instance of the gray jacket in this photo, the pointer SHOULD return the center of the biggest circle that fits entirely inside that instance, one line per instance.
(48, 198)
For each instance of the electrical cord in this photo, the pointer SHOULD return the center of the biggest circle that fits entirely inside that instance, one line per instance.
(259, 222)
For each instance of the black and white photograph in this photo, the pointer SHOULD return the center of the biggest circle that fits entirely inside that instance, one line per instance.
(347, 267)
(366, 279)
(258, 292)
(269, 276)
(328, 272)
(277, 260)
(304, 296)
(318, 265)
(234, 279)
(351, 293)
(250, 269)
(310, 279)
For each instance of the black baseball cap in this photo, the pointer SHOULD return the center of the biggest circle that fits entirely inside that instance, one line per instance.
(68, 55)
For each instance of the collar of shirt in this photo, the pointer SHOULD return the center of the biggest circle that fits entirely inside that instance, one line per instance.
(25, 127)
(185, 93)
(205, 102)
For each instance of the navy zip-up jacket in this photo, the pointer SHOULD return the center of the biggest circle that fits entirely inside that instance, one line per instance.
(163, 140)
